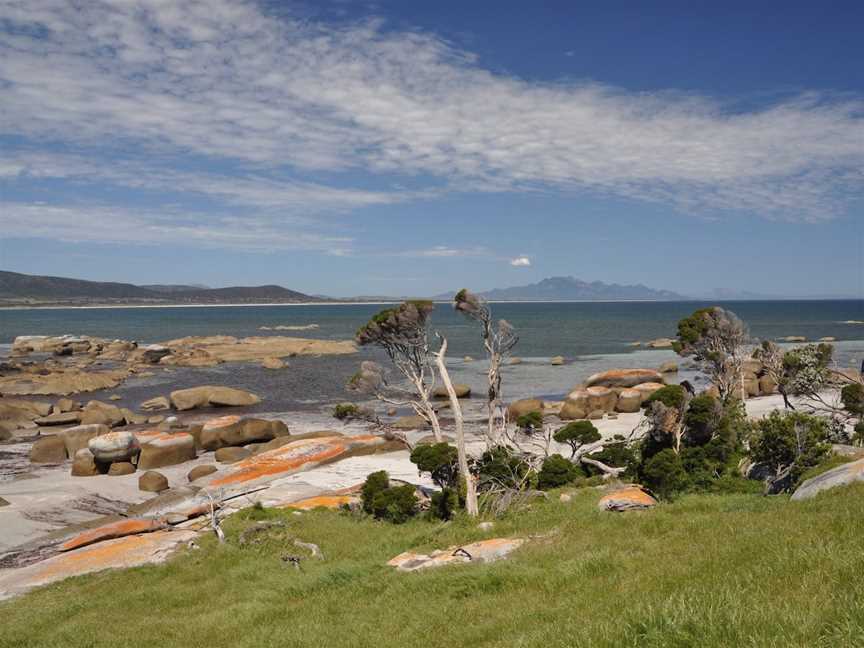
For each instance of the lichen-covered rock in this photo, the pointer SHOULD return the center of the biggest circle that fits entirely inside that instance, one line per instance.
(629, 401)
(120, 468)
(629, 498)
(201, 471)
(212, 395)
(112, 530)
(114, 446)
(234, 431)
(601, 398)
(623, 378)
(156, 404)
(575, 407)
(84, 464)
(159, 449)
(646, 389)
(842, 475)
(521, 407)
(484, 551)
(60, 418)
(323, 501)
(78, 437)
(462, 391)
(99, 413)
(153, 482)
(48, 450)
(231, 454)
(414, 422)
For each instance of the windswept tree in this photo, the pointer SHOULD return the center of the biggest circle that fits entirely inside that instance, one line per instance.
(772, 356)
(717, 340)
(498, 340)
(402, 333)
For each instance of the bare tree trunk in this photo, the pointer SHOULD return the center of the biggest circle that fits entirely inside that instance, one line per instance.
(471, 489)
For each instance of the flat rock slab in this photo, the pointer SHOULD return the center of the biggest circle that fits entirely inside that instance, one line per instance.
(629, 498)
(323, 501)
(129, 551)
(111, 531)
(300, 455)
(840, 476)
(484, 551)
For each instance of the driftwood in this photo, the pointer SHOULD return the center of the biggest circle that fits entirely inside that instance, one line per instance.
(609, 472)
(314, 549)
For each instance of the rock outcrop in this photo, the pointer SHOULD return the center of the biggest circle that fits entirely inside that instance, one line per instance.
(842, 475)
(484, 551)
(212, 396)
(624, 378)
(628, 498)
(159, 449)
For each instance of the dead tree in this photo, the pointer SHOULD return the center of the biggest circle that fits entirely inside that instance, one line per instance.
(498, 340)
(402, 333)
(470, 486)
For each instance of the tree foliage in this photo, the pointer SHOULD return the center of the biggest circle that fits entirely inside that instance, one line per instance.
(788, 444)
(576, 435)
(440, 460)
(557, 471)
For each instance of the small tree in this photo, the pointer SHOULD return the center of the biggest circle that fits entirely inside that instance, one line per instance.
(401, 332)
(789, 443)
(807, 374)
(772, 358)
(498, 340)
(576, 435)
(716, 339)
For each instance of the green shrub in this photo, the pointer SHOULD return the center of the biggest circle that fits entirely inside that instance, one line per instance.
(530, 422)
(670, 396)
(345, 411)
(444, 504)
(577, 434)
(852, 397)
(557, 471)
(664, 474)
(498, 467)
(374, 484)
(858, 436)
(702, 419)
(791, 441)
(396, 504)
(440, 460)
(617, 455)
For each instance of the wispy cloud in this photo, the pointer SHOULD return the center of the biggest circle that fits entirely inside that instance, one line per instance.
(520, 262)
(274, 97)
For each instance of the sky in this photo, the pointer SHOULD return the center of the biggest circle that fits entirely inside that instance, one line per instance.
(411, 148)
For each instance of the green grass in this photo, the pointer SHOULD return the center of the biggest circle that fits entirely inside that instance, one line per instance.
(706, 570)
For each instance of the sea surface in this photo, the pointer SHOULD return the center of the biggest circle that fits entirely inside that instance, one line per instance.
(592, 336)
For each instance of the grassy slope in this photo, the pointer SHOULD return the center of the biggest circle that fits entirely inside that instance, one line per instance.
(734, 570)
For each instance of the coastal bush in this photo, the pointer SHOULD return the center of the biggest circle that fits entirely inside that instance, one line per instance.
(618, 454)
(530, 422)
(500, 467)
(858, 435)
(702, 419)
(576, 435)
(396, 504)
(664, 474)
(374, 484)
(789, 443)
(345, 411)
(852, 397)
(557, 471)
(670, 396)
(444, 503)
(440, 460)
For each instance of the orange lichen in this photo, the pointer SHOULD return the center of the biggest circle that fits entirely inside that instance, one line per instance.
(321, 501)
(221, 421)
(111, 531)
(629, 495)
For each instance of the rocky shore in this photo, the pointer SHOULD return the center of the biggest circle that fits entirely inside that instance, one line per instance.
(90, 484)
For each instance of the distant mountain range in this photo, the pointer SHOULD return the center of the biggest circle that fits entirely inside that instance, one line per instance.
(22, 289)
(572, 289)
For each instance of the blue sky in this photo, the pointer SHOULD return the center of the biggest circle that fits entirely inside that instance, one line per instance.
(411, 148)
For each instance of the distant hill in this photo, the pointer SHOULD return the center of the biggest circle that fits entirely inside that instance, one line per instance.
(572, 289)
(17, 288)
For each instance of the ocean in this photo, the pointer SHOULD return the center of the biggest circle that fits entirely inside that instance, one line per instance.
(592, 336)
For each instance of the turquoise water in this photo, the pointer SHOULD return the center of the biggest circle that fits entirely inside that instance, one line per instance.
(545, 329)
